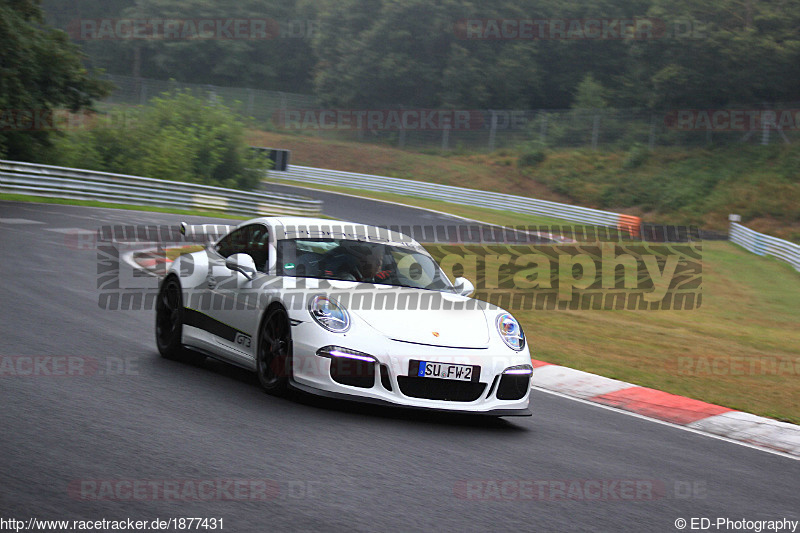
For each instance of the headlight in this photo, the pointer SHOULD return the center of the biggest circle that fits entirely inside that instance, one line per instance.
(347, 353)
(519, 370)
(510, 331)
(329, 314)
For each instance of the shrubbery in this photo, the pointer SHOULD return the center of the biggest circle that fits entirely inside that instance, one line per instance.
(532, 154)
(636, 156)
(176, 137)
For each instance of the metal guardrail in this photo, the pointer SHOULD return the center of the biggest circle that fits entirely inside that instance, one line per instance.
(761, 244)
(460, 195)
(77, 184)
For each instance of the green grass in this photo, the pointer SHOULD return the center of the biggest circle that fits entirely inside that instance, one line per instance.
(750, 311)
(111, 205)
(481, 214)
(700, 186)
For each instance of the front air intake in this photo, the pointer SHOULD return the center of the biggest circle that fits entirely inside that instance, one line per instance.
(513, 386)
(440, 389)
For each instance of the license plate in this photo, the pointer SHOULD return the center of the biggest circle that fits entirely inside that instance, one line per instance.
(427, 369)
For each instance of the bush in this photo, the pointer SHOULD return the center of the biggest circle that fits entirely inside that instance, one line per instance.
(533, 154)
(636, 156)
(176, 137)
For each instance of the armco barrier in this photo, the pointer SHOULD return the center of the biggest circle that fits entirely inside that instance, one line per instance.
(59, 182)
(460, 195)
(761, 244)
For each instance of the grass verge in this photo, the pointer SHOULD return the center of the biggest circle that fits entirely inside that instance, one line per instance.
(740, 349)
(480, 214)
(110, 205)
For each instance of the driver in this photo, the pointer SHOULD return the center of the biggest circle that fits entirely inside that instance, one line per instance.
(371, 265)
(358, 261)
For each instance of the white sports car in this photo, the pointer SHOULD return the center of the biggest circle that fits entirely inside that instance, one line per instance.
(343, 310)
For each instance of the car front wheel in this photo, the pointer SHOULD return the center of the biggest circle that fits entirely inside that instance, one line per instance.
(274, 351)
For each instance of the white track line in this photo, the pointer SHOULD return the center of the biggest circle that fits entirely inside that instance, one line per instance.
(19, 221)
(671, 424)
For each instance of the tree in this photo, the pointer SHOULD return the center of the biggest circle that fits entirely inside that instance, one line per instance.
(278, 58)
(382, 53)
(729, 52)
(175, 137)
(590, 94)
(375, 53)
(40, 70)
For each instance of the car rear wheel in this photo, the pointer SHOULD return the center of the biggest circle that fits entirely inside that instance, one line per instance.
(169, 319)
(169, 324)
(274, 351)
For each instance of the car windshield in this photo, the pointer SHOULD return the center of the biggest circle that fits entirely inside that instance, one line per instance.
(367, 262)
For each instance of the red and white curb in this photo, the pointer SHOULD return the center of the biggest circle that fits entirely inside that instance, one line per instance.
(694, 414)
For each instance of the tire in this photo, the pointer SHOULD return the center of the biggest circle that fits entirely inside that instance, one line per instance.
(274, 357)
(169, 319)
(169, 324)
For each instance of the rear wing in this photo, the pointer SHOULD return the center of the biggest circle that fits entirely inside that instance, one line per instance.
(204, 232)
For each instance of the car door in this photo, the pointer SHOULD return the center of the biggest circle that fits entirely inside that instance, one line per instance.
(235, 306)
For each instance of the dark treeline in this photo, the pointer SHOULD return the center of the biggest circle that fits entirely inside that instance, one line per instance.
(445, 53)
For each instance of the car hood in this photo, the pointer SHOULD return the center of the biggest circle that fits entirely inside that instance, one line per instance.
(445, 319)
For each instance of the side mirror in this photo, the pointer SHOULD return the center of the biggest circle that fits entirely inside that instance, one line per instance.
(242, 263)
(463, 286)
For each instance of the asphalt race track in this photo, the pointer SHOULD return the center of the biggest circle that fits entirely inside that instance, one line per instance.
(376, 213)
(76, 446)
